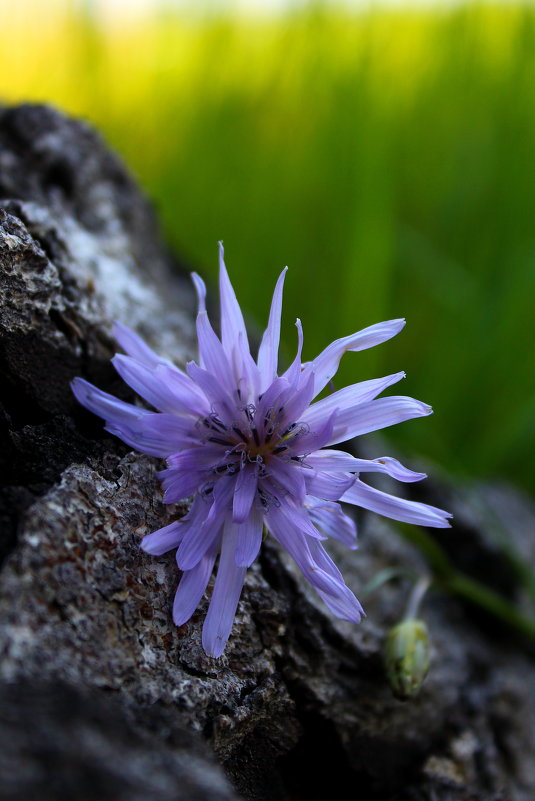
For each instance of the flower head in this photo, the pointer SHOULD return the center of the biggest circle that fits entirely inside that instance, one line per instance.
(252, 450)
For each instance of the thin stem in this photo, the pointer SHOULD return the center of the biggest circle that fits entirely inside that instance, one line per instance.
(383, 576)
(416, 596)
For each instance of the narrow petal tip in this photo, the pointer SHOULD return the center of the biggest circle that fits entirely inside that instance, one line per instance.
(221, 250)
(200, 288)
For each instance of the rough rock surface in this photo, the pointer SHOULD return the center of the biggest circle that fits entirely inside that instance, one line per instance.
(101, 697)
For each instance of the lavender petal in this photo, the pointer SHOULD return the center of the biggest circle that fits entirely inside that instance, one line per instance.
(132, 344)
(340, 461)
(298, 546)
(197, 541)
(142, 379)
(328, 486)
(349, 397)
(179, 484)
(329, 518)
(193, 585)
(343, 604)
(227, 590)
(376, 414)
(217, 396)
(200, 289)
(164, 539)
(294, 370)
(387, 505)
(326, 364)
(249, 538)
(244, 492)
(269, 347)
(232, 323)
(106, 406)
(291, 478)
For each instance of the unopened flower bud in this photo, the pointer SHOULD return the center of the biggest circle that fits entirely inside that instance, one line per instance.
(407, 657)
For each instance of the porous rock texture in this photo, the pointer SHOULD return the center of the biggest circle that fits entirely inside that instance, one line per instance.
(101, 697)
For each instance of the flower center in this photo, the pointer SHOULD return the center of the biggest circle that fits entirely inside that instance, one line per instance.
(254, 437)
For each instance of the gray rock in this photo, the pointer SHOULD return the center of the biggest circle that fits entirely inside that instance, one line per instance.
(100, 695)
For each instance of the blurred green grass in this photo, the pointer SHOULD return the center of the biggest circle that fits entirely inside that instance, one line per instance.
(387, 157)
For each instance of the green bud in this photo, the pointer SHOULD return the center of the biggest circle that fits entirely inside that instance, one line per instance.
(407, 657)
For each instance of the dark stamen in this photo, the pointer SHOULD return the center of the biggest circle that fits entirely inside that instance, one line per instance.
(240, 433)
(289, 430)
(214, 424)
(280, 449)
(219, 441)
(221, 469)
(255, 435)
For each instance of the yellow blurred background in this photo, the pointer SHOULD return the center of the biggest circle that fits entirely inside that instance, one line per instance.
(386, 154)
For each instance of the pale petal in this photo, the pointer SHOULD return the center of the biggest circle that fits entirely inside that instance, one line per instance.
(163, 540)
(326, 364)
(106, 406)
(169, 537)
(197, 541)
(246, 373)
(316, 438)
(188, 395)
(155, 434)
(344, 604)
(193, 585)
(232, 322)
(290, 476)
(249, 538)
(349, 397)
(244, 492)
(339, 461)
(294, 370)
(132, 344)
(200, 288)
(328, 486)
(375, 415)
(180, 484)
(227, 590)
(212, 355)
(268, 352)
(296, 516)
(144, 381)
(203, 456)
(396, 508)
(216, 394)
(299, 400)
(299, 547)
(150, 444)
(329, 518)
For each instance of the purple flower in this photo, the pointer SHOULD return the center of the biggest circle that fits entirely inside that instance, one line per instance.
(252, 450)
